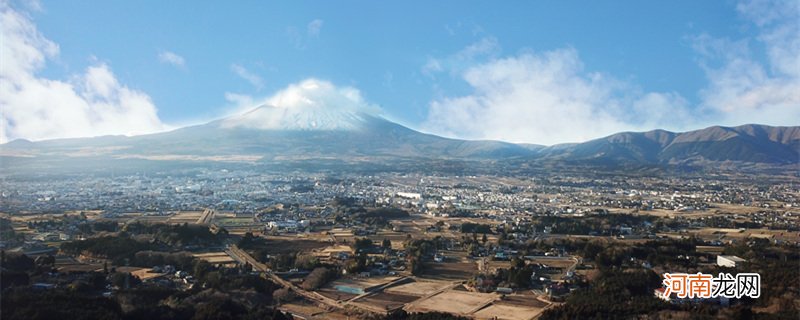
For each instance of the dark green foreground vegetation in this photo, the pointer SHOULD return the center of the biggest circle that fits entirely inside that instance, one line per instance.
(624, 290)
(139, 304)
(218, 293)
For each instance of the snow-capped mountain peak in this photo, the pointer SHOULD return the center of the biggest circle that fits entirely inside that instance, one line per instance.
(309, 105)
(303, 118)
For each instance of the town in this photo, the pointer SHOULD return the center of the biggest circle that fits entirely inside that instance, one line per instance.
(323, 245)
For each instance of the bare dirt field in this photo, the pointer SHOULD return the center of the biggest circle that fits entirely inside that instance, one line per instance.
(408, 226)
(734, 208)
(664, 213)
(450, 270)
(508, 312)
(386, 300)
(23, 217)
(151, 219)
(277, 245)
(419, 288)
(310, 311)
(740, 234)
(456, 266)
(453, 301)
(215, 257)
(397, 238)
(146, 274)
(523, 300)
(235, 221)
(335, 249)
(336, 294)
(185, 217)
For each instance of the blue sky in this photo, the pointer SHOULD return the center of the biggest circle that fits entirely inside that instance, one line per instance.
(522, 71)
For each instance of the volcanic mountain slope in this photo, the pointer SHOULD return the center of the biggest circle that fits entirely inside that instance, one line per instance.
(273, 133)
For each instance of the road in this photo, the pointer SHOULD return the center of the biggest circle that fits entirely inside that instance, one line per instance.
(206, 217)
(242, 256)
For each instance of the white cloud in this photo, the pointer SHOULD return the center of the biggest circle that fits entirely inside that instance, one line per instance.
(321, 94)
(487, 47)
(33, 5)
(89, 104)
(300, 39)
(308, 104)
(742, 89)
(314, 27)
(241, 102)
(432, 67)
(253, 78)
(547, 98)
(171, 58)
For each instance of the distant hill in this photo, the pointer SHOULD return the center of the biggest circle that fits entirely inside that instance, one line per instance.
(275, 135)
(748, 143)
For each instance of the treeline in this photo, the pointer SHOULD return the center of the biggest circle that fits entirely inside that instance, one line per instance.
(281, 255)
(318, 278)
(599, 224)
(518, 275)
(147, 304)
(779, 267)
(7, 232)
(122, 248)
(379, 217)
(629, 294)
(469, 227)
(118, 249)
(177, 235)
(148, 259)
(15, 268)
(89, 228)
(418, 250)
(615, 294)
(218, 293)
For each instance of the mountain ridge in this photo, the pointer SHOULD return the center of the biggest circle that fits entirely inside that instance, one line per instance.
(746, 143)
(347, 134)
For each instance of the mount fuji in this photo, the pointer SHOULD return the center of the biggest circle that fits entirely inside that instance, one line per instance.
(270, 133)
(307, 132)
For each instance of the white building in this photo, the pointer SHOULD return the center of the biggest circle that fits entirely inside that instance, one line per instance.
(729, 261)
(409, 195)
(288, 224)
